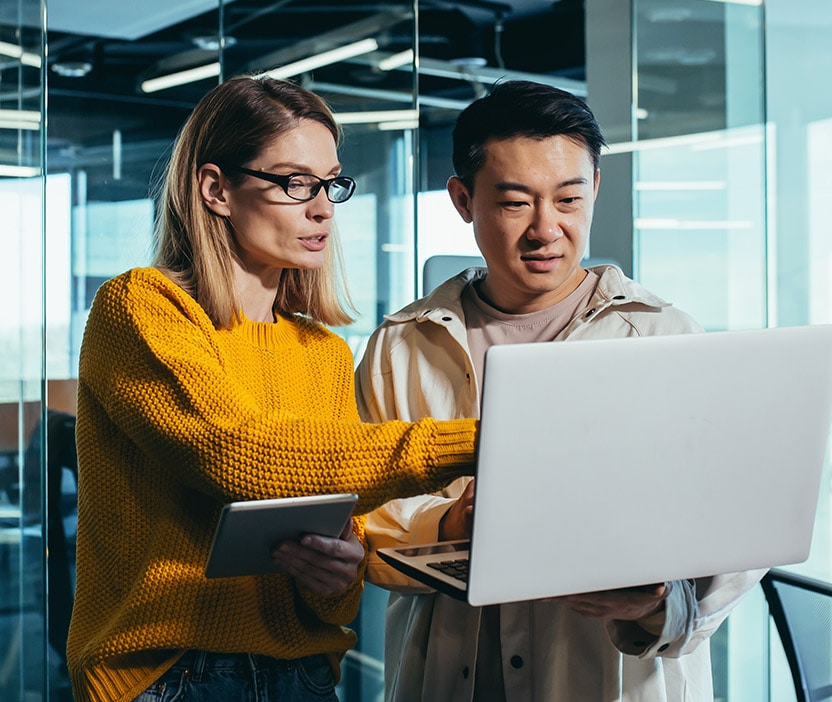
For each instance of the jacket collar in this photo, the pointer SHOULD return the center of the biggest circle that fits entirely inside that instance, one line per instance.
(614, 288)
(443, 301)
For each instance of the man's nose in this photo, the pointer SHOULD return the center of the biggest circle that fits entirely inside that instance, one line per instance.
(546, 225)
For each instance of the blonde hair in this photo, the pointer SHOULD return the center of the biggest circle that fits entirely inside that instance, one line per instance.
(232, 124)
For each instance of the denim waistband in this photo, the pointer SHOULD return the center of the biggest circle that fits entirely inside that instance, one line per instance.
(197, 661)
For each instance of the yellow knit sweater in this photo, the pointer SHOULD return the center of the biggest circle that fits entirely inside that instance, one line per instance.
(175, 419)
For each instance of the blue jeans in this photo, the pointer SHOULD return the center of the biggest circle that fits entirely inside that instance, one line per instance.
(200, 676)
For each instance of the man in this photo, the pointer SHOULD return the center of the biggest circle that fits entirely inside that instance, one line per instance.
(526, 159)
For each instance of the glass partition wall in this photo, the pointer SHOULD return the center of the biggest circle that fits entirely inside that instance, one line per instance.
(24, 663)
(699, 234)
(678, 85)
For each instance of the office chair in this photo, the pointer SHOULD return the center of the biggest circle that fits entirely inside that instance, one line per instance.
(437, 269)
(61, 520)
(801, 608)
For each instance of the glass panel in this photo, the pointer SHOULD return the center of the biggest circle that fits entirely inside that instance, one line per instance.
(700, 238)
(25, 664)
(800, 183)
(120, 84)
(464, 48)
(699, 166)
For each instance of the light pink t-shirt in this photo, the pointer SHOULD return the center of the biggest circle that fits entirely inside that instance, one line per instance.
(488, 326)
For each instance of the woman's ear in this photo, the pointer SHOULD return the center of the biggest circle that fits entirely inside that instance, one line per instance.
(213, 188)
(461, 198)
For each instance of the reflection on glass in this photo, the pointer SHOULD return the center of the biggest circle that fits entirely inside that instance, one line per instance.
(700, 239)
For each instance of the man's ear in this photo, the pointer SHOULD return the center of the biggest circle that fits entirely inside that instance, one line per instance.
(597, 183)
(213, 189)
(461, 198)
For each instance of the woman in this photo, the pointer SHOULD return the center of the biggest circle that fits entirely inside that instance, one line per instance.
(210, 378)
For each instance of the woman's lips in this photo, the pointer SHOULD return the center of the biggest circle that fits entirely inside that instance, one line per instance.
(314, 243)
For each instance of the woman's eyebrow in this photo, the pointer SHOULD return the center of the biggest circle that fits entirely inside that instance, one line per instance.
(299, 167)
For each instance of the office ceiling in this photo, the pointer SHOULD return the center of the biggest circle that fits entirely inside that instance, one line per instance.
(100, 51)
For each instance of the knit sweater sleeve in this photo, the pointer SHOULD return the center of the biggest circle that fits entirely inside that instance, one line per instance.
(151, 364)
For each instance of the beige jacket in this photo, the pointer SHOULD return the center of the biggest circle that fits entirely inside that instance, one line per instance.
(417, 364)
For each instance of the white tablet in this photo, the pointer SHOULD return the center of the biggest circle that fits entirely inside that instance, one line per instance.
(247, 532)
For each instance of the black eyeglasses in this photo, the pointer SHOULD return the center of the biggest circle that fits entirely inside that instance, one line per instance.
(304, 186)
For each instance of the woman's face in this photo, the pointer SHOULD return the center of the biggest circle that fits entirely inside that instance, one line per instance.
(272, 231)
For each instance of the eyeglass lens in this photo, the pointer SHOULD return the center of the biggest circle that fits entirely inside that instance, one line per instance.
(306, 187)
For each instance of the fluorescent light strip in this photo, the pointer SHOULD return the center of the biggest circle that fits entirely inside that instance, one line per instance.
(693, 224)
(681, 185)
(325, 58)
(191, 75)
(740, 2)
(396, 60)
(19, 171)
(697, 142)
(729, 141)
(395, 126)
(27, 58)
(20, 119)
(377, 117)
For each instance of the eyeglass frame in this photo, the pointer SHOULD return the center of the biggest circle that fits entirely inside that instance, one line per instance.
(283, 182)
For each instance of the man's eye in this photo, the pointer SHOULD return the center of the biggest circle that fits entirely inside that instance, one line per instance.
(512, 203)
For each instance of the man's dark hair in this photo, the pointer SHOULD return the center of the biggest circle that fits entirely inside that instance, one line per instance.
(521, 108)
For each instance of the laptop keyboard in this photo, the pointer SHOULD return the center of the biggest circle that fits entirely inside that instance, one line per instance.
(456, 569)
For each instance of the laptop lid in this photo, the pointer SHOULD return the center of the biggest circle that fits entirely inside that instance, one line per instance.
(613, 463)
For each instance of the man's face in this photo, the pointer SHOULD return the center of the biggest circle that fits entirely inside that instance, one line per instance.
(531, 208)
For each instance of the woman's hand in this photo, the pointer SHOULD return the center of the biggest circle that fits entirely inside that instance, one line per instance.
(322, 564)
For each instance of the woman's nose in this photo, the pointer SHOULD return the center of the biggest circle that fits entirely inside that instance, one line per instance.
(320, 207)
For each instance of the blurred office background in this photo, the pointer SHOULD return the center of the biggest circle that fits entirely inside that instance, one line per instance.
(716, 193)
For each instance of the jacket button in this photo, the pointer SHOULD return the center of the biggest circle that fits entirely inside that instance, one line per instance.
(591, 312)
(516, 662)
(465, 672)
(619, 297)
(664, 647)
(446, 319)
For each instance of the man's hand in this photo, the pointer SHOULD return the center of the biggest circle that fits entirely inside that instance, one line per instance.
(627, 604)
(456, 523)
(322, 564)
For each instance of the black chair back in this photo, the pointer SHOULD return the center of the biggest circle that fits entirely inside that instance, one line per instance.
(801, 608)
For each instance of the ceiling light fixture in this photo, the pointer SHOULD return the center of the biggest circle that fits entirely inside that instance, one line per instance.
(740, 2)
(709, 224)
(171, 80)
(681, 185)
(377, 116)
(365, 46)
(213, 42)
(72, 69)
(18, 171)
(27, 58)
(398, 60)
(20, 119)
(398, 126)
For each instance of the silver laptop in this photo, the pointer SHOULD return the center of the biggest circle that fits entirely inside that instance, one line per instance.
(625, 462)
